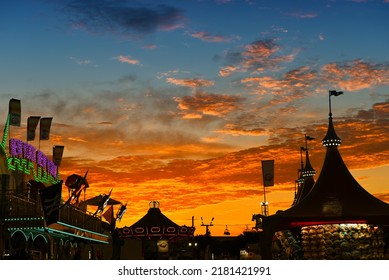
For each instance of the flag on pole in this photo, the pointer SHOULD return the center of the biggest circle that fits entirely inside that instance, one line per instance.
(45, 125)
(268, 173)
(335, 93)
(309, 138)
(15, 112)
(32, 123)
(121, 212)
(51, 200)
(57, 154)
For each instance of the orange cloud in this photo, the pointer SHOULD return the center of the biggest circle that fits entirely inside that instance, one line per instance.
(209, 104)
(293, 84)
(256, 57)
(232, 129)
(355, 75)
(182, 184)
(192, 83)
(228, 70)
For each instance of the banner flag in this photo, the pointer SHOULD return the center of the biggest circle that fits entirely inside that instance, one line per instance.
(268, 173)
(57, 154)
(108, 215)
(32, 123)
(15, 112)
(51, 200)
(335, 93)
(121, 212)
(45, 125)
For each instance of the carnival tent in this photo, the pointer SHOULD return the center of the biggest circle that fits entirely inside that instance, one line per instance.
(336, 197)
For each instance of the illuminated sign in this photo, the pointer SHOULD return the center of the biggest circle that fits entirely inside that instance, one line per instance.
(23, 157)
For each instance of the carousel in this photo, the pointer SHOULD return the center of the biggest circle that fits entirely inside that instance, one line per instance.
(156, 233)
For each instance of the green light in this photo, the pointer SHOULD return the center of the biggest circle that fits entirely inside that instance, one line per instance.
(50, 230)
(78, 228)
(5, 135)
(24, 165)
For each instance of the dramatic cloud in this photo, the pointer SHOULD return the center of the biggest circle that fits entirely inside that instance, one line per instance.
(256, 58)
(121, 17)
(356, 75)
(293, 85)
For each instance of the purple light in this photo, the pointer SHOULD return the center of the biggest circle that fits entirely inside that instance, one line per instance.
(20, 149)
(41, 159)
(52, 168)
(16, 147)
(29, 152)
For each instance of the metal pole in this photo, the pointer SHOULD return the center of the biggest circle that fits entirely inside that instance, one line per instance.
(329, 102)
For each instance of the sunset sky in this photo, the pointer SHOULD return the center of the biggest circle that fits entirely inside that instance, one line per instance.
(179, 102)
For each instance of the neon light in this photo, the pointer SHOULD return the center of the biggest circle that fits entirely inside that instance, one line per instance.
(79, 236)
(75, 235)
(23, 155)
(82, 229)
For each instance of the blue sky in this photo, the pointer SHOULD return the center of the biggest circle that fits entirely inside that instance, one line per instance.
(139, 90)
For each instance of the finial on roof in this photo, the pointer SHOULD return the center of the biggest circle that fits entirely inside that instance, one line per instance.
(308, 169)
(331, 93)
(154, 204)
(331, 139)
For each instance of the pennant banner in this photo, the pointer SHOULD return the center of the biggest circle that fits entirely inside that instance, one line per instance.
(309, 138)
(108, 215)
(268, 173)
(51, 201)
(121, 212)
(14, 112)
(335, 93)
(57, 154)
(32, 123)
(45, 125)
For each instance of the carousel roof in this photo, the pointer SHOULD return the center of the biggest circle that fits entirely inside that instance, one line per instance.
(336, 197)
(154, 217)
(155, 224)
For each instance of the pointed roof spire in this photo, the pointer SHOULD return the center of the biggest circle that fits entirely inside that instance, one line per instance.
(305, 180)
(331, 138)
(308, 169)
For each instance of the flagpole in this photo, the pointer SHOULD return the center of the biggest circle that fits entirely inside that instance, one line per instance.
(264, 203)
(332, 92)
